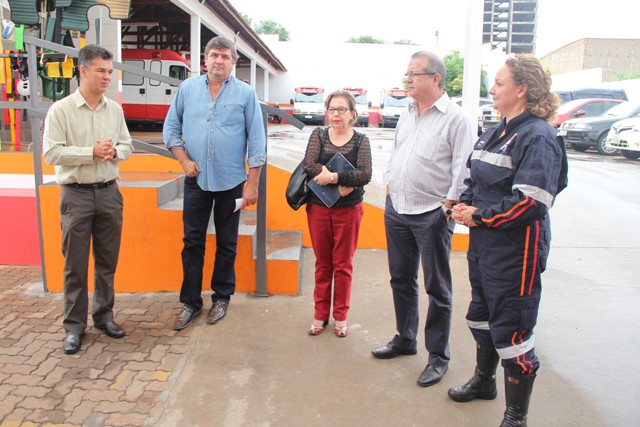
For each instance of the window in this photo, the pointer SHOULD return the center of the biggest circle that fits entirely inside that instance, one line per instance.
(178, 72)
(130, 78)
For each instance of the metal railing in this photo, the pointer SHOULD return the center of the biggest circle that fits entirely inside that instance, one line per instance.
(37, 111)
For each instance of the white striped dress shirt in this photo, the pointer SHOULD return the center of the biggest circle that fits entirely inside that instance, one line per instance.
(429, 156)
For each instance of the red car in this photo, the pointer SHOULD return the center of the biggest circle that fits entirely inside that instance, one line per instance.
(583, 108)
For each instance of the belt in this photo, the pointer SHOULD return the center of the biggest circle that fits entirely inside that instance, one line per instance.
(95, 186)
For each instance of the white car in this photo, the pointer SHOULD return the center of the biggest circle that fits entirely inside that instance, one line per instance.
(625, 135)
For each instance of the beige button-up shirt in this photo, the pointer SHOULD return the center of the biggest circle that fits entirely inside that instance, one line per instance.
(71, 130)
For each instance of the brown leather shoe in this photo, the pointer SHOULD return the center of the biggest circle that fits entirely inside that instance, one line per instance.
(185, 318)
(217, 312)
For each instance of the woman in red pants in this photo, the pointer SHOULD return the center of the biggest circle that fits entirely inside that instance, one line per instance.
(334, 230)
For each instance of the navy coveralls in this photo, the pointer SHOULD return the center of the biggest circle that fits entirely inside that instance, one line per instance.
(513, 182)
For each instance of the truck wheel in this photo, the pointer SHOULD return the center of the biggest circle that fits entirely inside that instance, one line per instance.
(580, 148)
(603, 148)
(631, 155)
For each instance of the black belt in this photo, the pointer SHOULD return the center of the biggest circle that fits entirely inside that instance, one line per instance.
(95, 186)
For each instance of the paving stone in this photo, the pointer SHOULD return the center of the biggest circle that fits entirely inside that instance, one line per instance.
(54, 377)
(123, 380)
(126, 420)
(101, 394)
(82, 412)
(23, 378)
(62, 388)
(115, 407)
(141, 366)
(93, 384)
(16, 417)
(169, 362)
(38, 403)
(72, 400)
(8, 405)
(29, 390)
(134, 391)
(50, 418)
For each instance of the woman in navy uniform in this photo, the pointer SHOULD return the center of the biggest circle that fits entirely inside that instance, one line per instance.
(517, 169)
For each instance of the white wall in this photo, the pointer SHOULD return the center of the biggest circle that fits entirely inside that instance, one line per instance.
(333, 66)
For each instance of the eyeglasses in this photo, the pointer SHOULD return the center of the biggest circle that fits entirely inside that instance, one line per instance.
(339, 110)
(413, 74)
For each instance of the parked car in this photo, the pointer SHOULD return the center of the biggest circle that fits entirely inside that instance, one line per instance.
(482, 102)
(587, 132)
(592, 92)
(492, 117)
(625, 136)
(583, 108)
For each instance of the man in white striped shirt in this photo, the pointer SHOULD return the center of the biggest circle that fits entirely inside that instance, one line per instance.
(425, 178)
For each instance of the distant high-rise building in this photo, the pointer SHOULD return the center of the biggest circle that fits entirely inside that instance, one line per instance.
(510, 25)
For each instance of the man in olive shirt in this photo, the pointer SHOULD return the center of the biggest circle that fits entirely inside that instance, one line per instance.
(85, 136)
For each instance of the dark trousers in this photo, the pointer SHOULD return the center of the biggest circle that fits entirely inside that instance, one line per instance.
(505, 268)
(198, 205)
(89, 217)
(423, 237)
(334, 235)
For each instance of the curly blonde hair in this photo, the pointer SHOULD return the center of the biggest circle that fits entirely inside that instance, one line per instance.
(526, 69)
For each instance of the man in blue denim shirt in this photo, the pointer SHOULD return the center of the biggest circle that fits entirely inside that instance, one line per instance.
(214, 127)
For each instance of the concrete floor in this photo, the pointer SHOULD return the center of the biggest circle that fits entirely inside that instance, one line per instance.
(259, 367)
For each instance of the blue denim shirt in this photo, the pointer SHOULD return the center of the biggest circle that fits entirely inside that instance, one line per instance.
(218, 135)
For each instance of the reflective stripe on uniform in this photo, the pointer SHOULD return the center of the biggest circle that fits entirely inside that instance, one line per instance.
(536, 193)
(484, 325)
(495, 159)
(516, 350)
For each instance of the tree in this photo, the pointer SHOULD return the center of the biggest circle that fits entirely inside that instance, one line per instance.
(365, 39)
(454, 64)
(246, 18)
(272, 27)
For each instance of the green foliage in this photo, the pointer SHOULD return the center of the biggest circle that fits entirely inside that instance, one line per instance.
(628, 75)
(454, 64)
(272, 27)
(246, 18)
(365, 39)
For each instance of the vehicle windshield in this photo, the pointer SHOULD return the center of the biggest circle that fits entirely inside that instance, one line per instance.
(398, 101)
(623, 109)
(361, 99)
(309, 97)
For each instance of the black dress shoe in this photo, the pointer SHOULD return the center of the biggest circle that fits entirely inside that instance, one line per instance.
(431, 375)
(217, 312)
(185, 318)
(111, 329)
(389, 351)
(72, 343)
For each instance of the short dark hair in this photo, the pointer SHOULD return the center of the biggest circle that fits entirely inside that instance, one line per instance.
(90, 52)
(221, 42)
(434, 65)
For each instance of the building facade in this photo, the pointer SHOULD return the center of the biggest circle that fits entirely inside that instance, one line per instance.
(619, 59)
(510, 25)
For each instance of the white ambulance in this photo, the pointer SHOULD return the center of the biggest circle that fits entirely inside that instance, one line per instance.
(144, 99)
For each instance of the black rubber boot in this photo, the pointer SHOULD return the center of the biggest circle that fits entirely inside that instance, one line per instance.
(483, 383)
(518, 393)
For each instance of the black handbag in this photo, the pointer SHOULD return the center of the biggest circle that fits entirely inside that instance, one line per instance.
(297, 191)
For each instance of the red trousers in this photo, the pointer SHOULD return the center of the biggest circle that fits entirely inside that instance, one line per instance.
(334, 235)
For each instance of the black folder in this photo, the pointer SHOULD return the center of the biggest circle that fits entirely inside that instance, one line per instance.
(329, 194)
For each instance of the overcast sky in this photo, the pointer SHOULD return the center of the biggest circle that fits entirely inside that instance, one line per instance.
(327, 21)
